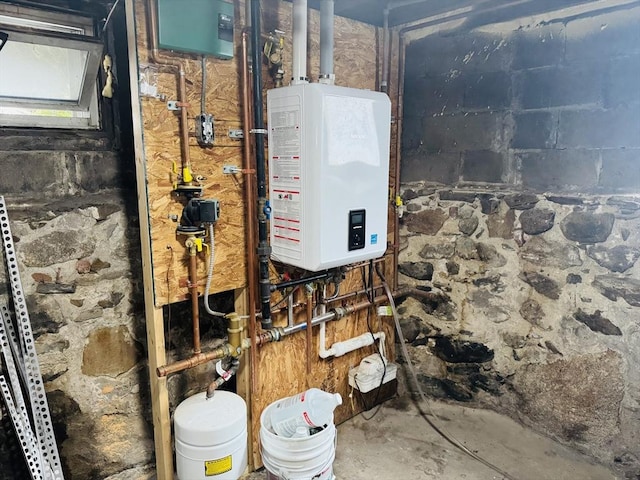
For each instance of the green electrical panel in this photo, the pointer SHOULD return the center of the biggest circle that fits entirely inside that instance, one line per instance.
(196, 26)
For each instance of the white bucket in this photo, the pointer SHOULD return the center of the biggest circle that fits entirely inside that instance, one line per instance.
(306, 458)
(211, 437)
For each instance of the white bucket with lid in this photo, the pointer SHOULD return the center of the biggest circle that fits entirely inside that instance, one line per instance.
(297, 458)
(211, 437)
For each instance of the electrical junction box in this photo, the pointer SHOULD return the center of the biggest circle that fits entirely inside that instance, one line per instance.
(328, 174)
(368, 375)
(196, 26)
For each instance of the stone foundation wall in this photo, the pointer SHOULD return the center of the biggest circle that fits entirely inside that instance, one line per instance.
(521, 232)
(529, 304)
(73, 215)
(79, 261)
(81, 274)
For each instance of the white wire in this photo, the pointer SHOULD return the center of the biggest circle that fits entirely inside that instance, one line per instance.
(207, 288)
(106, 22)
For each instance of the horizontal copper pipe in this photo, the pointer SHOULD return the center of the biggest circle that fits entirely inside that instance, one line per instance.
(278, 333)
(194, 361)
(346, 296)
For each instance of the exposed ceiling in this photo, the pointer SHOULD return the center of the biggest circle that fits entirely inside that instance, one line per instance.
(477, 12)
(406, 11)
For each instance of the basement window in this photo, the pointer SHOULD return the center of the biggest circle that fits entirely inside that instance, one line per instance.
(48, 69)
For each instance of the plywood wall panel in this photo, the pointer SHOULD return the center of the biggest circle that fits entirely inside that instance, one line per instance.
(281, 367)
(162, 153)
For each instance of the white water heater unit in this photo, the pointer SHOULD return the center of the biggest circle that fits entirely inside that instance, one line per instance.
(328, 174)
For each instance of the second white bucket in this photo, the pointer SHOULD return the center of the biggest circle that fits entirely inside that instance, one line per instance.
(303, 458)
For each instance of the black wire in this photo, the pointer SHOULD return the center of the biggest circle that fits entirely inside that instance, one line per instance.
(367, 286)
(285, 297)
(436, 423)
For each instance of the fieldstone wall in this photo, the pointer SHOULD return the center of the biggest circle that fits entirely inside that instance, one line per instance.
(529, 304)
(521, 225)
(73, 215)
(79, 261)
(81, 274)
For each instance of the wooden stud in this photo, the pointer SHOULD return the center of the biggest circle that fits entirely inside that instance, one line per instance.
(153, 316)
(243, 378)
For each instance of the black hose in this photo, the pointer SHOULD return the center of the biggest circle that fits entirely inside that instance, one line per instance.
(263, 250)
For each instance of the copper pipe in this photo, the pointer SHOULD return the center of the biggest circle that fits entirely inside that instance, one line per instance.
(309, 330)
(334, 314)
(366, 263)
(184, 129)
(276, 334)
(280, 309)
(341, 297)
(154, 56)
(199, 359)
(356, 307)
(195, 311)
(217, 383)
(272, 335)
(346, 296)
(250, 210)
(396, 183)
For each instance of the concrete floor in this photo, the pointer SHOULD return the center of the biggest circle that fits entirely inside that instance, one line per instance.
(399, 444)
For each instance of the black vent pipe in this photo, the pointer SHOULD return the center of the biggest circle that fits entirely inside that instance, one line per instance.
(263, 250)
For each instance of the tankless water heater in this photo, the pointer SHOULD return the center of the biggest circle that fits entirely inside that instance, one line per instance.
(328, 174)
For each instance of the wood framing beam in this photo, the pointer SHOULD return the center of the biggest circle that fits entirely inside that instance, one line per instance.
(153, 315)
(243, 377)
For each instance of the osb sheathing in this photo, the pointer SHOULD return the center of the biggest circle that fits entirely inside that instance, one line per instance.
(281, 368)
(162, 155)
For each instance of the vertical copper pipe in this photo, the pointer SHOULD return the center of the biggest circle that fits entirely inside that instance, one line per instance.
(184, 129)
(195, 313)
(154, 56)
(309, 331)
(396, 186)
(250, 209)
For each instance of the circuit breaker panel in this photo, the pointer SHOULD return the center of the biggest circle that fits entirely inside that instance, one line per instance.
(328, 174)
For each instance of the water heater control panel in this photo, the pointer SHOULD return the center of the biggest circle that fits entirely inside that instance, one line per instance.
(357, 229)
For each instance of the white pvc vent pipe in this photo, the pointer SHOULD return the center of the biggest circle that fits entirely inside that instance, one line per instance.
(326, 42)
(299, 42)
